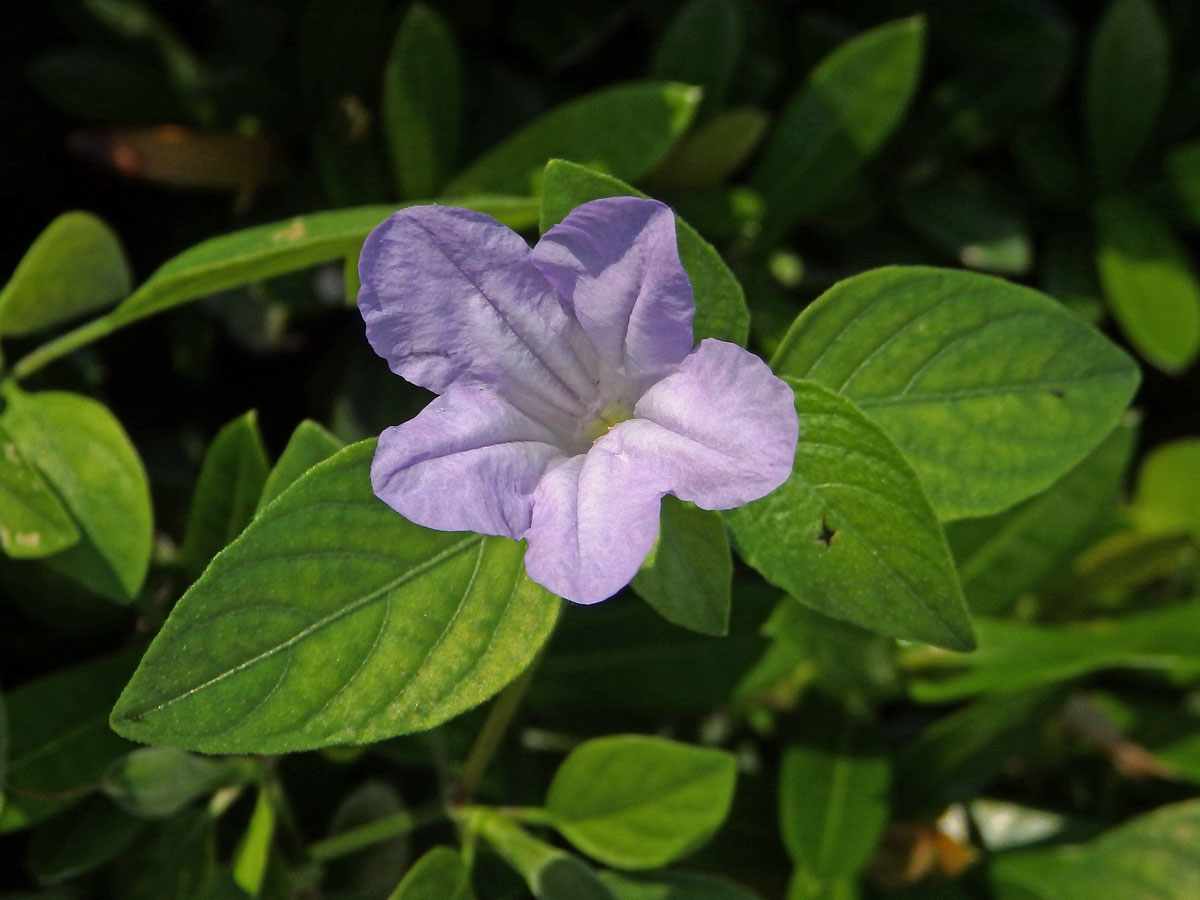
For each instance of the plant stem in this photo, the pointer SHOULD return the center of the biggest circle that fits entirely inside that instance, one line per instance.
(374, 832)
(63, 345)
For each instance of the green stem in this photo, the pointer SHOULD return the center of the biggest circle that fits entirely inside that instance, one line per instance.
(374, 832)
(63, 345)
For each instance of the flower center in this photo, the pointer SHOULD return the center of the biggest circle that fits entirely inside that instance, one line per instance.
(616, 412)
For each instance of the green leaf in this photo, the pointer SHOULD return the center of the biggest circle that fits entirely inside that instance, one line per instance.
(851, 533)
(1015, 655)
(1167, 498)
(551, 873)
(264, 251)
(157, 782)
(74, 267)
(674, 886)
(87, 458)
(69, 846)
(175, 860)
(352, 868)
(1126, 84)
(1149, 282)
(991, 391)
(709, 154)
(254, 850)
(688, 575)
(227, 492)
(836, 121)
(33, 523)
(438, 875)
(1002, 557)
(1183, 170)
(422, 102)
(640, 802)
(1068, 273)
(364, 626)
(59, 740)
(720, 304)
(308, 445)
(701, 47)
(624, 130)
(1152, 855)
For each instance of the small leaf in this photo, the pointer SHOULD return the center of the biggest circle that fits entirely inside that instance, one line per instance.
(438, 875)
(687, 576)
(364, 626)
(836, 121)
(1126, 85)
(69, 846)
(85, 455)
(308, 445)
(851, 533)
(639, 802)
(624, 130)
(1149, 282)
(74, 267)
(372, 870)
(422, 102)
(701, 47)
(991, 391)
(674, 886)
(709, 154)
(157, 782)
(720, 304)
(254, 850)
(1167, 498)
(227, 492)
(551, 873)
(33, 523)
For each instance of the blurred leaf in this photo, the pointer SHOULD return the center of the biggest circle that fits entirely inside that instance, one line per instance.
(1149, 282)
(422, 102)
(33, 523)
(701, 47)
(59, 740)
(990, 390)
(686, 577)
(364, 626)
(86, 457)
(264, 251)
(674, 886)
(1183, 169)
(637, 802)
(308, 445)
(711, 152)
(175, 860)
(969, 222)
(1167, 498)
(438, 875)
(106, 87)
(833, 793)
(720, 305)
(624, 130)
(227, 492)
(157, 782)
(1047, 161)
(254, 850)
(1152, 855)
(1015, 655)
(75, 266)
(374, 870)
(551, 873)
(1126, 561)
(842, 114)
(1002, 557)
(851, 533)
(1068, 273)
(72, 845)
(1125, 87)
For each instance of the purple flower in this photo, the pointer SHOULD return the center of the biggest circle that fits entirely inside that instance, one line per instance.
(571, 398)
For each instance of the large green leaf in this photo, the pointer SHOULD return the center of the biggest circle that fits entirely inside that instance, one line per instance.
(1149, 282)
(308, 445)
(833, 794)
(1167, 498)
(638, 802)
(85, 455)
(992, 391)
(701, 47)
(851, 533)
(1126, 85)
(60, 742)
(422, 102)
(33, 522)
(75, 266)
(1002, 557)
(331, 620)
(687, 576)
(227, 491)
(839, 117)
(265, 251)
(720, 304)
(440, 874)
(625, 130)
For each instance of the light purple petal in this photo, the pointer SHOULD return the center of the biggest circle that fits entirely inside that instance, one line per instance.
(450, 295)
(595, 517)
(617, 262)
(469, 461)
(720, 432)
